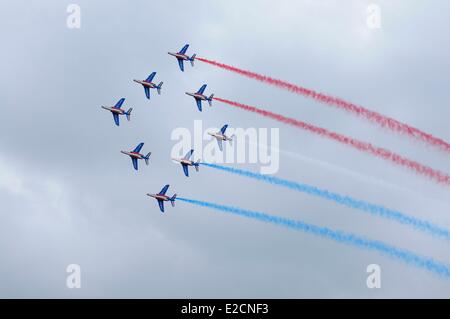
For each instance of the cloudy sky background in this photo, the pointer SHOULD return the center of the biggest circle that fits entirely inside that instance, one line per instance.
(68, 196)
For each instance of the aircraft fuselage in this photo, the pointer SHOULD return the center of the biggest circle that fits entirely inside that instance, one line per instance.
(184, 161)
(133, 154)
(160, 197)
(198, 96)
(219, 136)
(146, 84)
(180, 56)
(114, 109)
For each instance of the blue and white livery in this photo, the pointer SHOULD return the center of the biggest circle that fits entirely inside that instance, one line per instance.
(220, 136)
(135, 155)
(199, 97)
(182, 56)
(186, 162)
(148, 84)
(161, 197)
(117, 110)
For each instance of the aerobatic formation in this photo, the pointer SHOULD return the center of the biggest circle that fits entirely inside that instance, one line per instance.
(376, 210)
(186, 161)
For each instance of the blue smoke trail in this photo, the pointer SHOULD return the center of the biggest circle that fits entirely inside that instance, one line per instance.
(343, 200)
(335, 235)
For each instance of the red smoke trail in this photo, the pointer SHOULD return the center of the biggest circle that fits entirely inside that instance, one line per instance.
(362, 146)
(384, 121)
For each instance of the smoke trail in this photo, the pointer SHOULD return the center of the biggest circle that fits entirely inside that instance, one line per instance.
(382, 120)
(342, 200)
(351, 172)
(362, 146)
(335, 235)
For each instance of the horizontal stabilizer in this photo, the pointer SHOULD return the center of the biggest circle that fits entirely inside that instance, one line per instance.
(128, 113)
(147, 157)
(210, 99)
(230, 139)
(158, 88)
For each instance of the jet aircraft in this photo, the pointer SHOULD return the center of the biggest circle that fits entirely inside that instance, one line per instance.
(117, 110)
(135, 155)
(182, 56)
(199, 97)
(220, 136)
(186, 162)
(148, 84)
(161, 197)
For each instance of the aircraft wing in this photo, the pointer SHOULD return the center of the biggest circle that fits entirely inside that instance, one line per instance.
(150, 77)
(161, 205)
(138, 148)
(184, 49)
(116, 118)
(180, 63)
(147, 92)
(188, 154)
(119, 103)
(185, 169)
(223, 129)
(199, 104)
(135, 163)
(202, 89)
(164, 190)
(219, 141)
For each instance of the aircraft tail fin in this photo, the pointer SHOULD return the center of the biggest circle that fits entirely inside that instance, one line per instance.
(230, 139)
(197, 167)
(210, 99)
(172, 200)
(158, 88)
(147, 157)
(192, 59)
(128, 113)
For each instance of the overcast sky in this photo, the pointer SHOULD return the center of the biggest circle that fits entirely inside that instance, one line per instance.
(69, 197)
